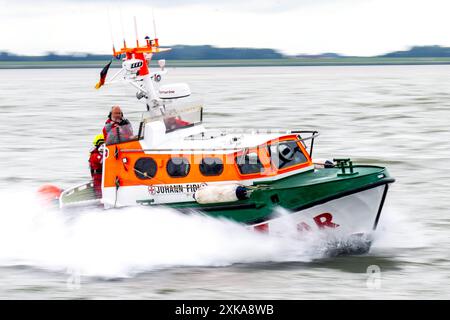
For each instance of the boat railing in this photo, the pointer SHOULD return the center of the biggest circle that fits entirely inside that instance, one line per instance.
(226, 131)
(220, 132)
(299, 133)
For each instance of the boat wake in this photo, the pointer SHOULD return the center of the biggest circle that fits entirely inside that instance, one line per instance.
(125, 242)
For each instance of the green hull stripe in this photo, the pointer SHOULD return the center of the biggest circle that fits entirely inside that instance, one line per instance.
(294, 193)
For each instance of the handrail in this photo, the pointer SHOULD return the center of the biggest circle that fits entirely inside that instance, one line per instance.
(225, 131)
(314, 134)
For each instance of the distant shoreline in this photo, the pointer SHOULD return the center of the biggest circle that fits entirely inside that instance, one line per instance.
(344, 61)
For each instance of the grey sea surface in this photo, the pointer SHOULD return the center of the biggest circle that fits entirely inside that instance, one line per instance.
(394, 116)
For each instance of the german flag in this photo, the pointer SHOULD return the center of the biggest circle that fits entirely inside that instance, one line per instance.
(103, 75)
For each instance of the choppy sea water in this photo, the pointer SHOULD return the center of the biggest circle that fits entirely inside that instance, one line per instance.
(397, 116)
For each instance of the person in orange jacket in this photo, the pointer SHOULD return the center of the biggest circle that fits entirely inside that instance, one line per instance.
(96, 164)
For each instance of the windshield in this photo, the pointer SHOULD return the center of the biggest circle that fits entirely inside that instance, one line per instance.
(178, 118)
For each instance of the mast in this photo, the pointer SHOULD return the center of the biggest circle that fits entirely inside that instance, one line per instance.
(136, 69)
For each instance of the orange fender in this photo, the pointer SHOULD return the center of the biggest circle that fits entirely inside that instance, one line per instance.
(49, 193)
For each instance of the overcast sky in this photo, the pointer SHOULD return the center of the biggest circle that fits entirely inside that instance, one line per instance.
(352, 27)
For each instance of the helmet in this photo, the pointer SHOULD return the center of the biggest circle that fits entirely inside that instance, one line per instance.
(98, 140)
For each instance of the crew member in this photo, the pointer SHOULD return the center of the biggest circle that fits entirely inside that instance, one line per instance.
(117, 129)
(173, 123)
(96, 164)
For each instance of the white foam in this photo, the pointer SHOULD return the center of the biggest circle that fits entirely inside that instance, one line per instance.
(118, 243)
(398, 230)
(121, 243)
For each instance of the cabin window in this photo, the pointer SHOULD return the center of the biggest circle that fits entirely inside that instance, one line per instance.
(145, 168)
(211, 166)
(286, 154)
(249, 163)
(178, 167)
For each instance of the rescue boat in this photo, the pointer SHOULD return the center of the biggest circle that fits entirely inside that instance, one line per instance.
(242, 175)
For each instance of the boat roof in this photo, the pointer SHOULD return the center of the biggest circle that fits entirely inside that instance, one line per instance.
(225, 142)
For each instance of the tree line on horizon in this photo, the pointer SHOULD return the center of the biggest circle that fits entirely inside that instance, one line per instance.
(207, 52)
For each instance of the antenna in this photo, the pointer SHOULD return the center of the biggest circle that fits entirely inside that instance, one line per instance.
(121, 23)
(154, 23)
(110, 30)
(135, 30)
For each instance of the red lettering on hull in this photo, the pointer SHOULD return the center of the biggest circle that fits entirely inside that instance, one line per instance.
(303, 226)
(262, 227)
(325, 220)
